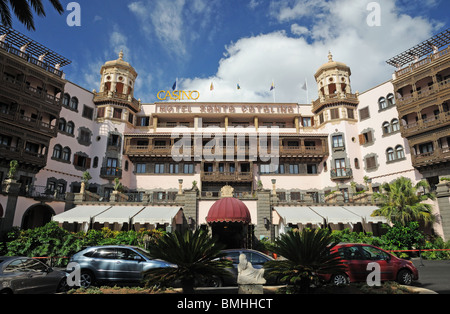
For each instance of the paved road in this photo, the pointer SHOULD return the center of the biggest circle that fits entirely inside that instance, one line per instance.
(433, 275)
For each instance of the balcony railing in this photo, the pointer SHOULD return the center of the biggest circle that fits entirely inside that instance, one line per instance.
(30, 59)
(422, 63)
(427, 91)
(425, 124)
(437, 156)
(341, 173)
(110, 172)
(226, 176)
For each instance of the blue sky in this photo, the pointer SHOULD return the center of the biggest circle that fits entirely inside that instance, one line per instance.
(250, 42)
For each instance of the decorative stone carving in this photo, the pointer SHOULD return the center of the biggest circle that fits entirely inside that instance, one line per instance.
(227, 191)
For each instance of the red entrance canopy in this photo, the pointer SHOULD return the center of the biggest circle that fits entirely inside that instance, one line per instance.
(229, 209)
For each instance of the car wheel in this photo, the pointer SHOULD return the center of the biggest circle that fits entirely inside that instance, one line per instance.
(404, 277)
(62, 286)
(215, 282)
(87, 279)
(340, 280)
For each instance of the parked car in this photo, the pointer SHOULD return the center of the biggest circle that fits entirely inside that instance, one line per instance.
(255, 257)
(24, 275)
(114, 264)
(356, 257)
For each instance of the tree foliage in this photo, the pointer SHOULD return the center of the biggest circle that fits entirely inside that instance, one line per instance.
(23, 11)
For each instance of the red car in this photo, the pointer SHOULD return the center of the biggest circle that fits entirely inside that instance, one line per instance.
(356, 257)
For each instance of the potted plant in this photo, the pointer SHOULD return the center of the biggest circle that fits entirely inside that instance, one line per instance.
(10, 180)
(85, 181)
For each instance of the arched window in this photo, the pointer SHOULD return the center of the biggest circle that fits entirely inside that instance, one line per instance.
(356, 163)
(70, 127)
(95, 165)
(395, 126)
(400, 152)
(62, 125)
(382, 103)
(391, 100)
(66, 154)
(66, 100)
(74, 103)
(390, 154)
(57, 151)
(386, 128)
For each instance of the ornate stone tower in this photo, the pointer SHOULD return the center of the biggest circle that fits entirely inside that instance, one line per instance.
(334, 87)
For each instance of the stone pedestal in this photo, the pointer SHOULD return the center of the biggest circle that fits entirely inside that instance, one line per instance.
(251, 289)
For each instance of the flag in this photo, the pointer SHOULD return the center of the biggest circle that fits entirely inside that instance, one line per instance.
(211, 87)
(174, 86)
(238, 86)
(305, 86)
(272, 87)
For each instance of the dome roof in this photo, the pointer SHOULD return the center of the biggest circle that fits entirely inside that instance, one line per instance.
(331, 64)
(120, 63)
(229, 209)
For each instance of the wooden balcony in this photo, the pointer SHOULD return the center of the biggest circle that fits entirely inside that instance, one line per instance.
(424, 96)
(332, 99)
(227, 176)
(117, 97)
(438, 156)
(425, 125)
(25, 121)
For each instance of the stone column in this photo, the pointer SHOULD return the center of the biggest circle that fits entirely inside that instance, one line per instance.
(264, 211)
(443, 198)
(190, 208)
(12, 188)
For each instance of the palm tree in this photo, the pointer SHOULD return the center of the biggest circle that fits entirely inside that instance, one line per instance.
(196, 254)
(22, 9)
(402, 202)
(306, 254)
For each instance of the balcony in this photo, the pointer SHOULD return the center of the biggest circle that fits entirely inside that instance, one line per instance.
(227, 176)
(437, 156)
(28, 122)
(341, 173)
(110, 173)
(332, 99)
(420, 97)
(427, 124)
(117, 97)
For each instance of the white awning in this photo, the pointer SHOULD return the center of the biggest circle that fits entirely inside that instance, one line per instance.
(366, 212)
(299, 215)
(118, 214)
(80, 214)
(156, 215)
(337, 214)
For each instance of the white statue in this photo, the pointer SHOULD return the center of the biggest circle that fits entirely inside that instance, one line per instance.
(247, 275)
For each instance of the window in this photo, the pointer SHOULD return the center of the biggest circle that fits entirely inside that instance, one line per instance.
(371, 162)
(395, 126)
(140, 168)
(350, 113)
(159, 168)
(81, 161)
(280, 169)
(386, 128)
(382, 103)
(334, 113)
(114, 140)
(74, 103)
(391, 100)
(57, 150)
(400, 152)
(264, 169)
(293, 169)
(70, 127)
(366, 138)
(101, 112)
(390, 154)
(364, 114)
(340, 167)
(130, 117)
(306, 121)
(338, 141)
(311, 169)
(112, 167)
(88, 112)
(66, 154)
(143, 121)
(321, 118)
(173, 168)
(188, 168)
(85, 136)
(95, 165)
(117, 114)
(66, 100)
(426, 148)
(62, 125)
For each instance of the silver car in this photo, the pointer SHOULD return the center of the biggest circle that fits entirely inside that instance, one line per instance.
(24, 275)
(114, 264)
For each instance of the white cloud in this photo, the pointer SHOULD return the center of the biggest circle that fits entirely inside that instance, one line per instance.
(339, 26)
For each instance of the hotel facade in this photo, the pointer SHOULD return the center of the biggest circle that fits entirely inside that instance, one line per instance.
(244, 171)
